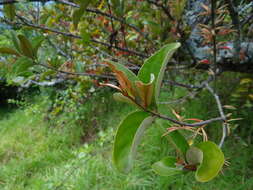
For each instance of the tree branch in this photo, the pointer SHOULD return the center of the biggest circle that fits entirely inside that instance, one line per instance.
(44, 83)
(213, 17)
(76, 73)
(153, 113)
(236, 22)
(183, 123)
(218, 102)
(174, 83)
(59, 50)
(181, 99)
(246, 20)
(44, 28)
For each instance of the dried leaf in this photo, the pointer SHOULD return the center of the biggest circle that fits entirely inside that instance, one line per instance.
(177, 115)
(127, 87)
(229, 107)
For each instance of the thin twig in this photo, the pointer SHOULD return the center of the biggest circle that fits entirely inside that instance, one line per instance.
(246, 20)
(183, 123)
(59, 50)
(191, 86)
(174, 83)
(153, 113)
(217, 99)
(182, 99)
(120, 60)
(76, 73)
(44, 83)
(218, 102)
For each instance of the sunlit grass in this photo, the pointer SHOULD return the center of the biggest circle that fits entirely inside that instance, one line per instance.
(35, 155)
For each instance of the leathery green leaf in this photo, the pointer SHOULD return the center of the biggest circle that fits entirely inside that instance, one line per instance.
(78, 13)
(121, 98)
(36, 44)
(213, 160)
(167, 167)
(176, 138)
(26, 46)
(179, 141)
(9, 11)
(15, 41)
(128, 137)
(7, 50)
(156, 64)
(22, 65)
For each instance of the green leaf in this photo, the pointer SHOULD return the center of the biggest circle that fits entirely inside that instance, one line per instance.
(79, 67)
(7, 50)
(121, 98)
(194, 156)
(178, 8)
(15, 41)
(78, 13)
(22, 65)
(36, 43)
(86, 37)
(213, 160)
(176, 138)
(118, 7)
(26, 46)
(179, 141)
(46, 74)
(128, 137)
(9, 11)
(156, 65)
(167, 167)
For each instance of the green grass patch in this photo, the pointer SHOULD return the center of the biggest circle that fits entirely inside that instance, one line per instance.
(36, 154)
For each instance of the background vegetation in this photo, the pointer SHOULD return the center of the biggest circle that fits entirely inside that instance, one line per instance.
(38, 154)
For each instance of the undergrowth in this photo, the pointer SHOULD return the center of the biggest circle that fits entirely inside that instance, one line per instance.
(37, 153)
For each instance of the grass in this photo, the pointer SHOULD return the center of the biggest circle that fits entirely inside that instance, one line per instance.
(34, 155)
